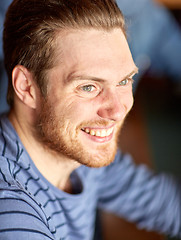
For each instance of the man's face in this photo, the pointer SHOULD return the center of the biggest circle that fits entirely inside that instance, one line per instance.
(89, 95)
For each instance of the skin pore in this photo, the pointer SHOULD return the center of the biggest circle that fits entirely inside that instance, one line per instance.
(89, 96)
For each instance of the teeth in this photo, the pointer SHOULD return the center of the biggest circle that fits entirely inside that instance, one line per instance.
(99, 133)
(109, 131)
(92, 132)
(103, 133)
(87, 130)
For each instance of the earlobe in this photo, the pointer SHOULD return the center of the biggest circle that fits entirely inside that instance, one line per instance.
(24, 86)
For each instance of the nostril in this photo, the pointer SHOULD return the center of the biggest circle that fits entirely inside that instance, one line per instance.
(113, 113)
(115, 104)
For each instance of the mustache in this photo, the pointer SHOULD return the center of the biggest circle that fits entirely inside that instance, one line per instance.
(97, 123)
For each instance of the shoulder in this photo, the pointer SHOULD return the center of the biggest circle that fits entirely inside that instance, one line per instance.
(21, 215)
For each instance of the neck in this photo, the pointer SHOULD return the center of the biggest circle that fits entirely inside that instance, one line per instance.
(55, 167)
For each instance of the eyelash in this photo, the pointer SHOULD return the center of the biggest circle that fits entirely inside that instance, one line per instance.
(127, 81)
(88, 90)
(93, 90)
(119, 84)
(88, 86)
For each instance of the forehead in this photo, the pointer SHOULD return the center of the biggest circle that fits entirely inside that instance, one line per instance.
(95, 52)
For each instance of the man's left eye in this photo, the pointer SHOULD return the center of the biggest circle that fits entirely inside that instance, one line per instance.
(88, 88)
(123, 82)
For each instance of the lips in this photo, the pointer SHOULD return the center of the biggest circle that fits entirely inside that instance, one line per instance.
(102, 133)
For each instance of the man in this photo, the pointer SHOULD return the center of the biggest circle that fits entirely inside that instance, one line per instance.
(70, 88)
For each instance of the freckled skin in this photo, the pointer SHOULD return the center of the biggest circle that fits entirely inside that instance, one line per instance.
(87, 58)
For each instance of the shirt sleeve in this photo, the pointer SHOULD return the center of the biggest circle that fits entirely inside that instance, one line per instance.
(137, 194)
(21, 218)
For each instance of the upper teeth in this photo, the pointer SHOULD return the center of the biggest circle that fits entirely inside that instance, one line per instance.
(99, 133)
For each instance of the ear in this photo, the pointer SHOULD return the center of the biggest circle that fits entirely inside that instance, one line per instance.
(24, 86)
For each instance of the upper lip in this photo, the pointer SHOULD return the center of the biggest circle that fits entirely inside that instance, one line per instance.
(99, 127)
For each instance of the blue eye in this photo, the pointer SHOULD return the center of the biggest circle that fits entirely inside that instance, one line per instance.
(124, 82)
(88, 88)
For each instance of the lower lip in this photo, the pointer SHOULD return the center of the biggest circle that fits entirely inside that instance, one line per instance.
(99, 139)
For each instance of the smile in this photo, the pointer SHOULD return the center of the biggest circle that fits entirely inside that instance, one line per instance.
(99, 132)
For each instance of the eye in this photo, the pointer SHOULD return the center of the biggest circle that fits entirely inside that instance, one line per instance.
(126, 81)
(123, 82)
(88, 88)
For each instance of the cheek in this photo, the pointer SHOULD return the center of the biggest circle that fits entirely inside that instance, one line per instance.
(75, 110)
(127, 100)
(130, 101)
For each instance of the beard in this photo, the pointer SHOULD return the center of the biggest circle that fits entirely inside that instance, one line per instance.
(58, 134)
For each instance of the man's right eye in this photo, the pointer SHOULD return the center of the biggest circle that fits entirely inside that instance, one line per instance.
(88, 88)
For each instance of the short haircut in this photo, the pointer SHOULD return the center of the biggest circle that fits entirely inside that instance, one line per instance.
(31, 27)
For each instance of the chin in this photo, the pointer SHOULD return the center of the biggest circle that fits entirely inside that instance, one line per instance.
(98, 156)
(99, 159)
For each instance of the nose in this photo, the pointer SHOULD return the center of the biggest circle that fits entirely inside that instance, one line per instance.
(114, 106)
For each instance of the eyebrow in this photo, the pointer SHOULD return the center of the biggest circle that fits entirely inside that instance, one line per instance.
(72, 78)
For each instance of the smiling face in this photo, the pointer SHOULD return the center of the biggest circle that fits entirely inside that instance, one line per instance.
(89, 96)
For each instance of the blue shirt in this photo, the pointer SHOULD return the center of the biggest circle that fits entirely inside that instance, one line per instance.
(32, 208)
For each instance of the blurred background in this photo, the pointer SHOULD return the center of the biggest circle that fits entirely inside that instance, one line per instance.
(152, 131)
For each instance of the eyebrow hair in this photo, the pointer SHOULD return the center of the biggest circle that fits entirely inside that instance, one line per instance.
(131, 74)
(96, 79)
